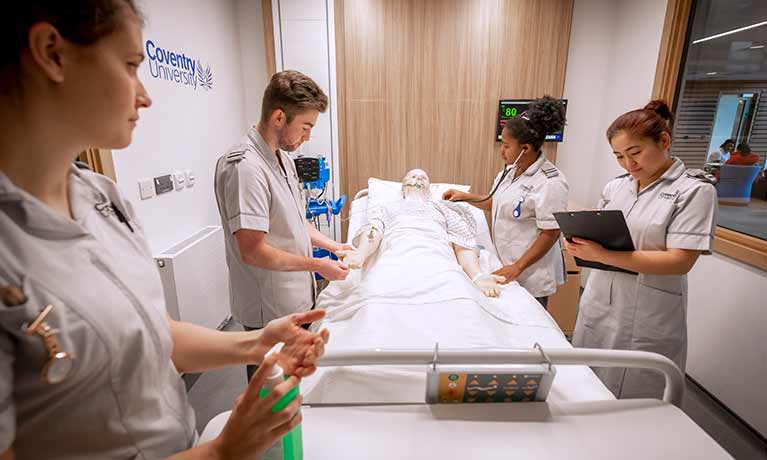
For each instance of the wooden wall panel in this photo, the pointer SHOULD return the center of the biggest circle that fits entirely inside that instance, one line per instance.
(671, 49)
(268, 19)
(419, 82)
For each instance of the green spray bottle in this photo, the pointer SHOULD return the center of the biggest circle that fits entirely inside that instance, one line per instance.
(290, 446)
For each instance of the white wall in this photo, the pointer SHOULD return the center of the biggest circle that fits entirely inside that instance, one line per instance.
(610, 69)
(727, 321)
(305, 41)
(185, 128)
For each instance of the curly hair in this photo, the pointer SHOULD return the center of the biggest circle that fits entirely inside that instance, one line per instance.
(543, 116)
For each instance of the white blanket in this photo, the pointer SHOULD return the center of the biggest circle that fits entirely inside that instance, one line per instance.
(416, 266)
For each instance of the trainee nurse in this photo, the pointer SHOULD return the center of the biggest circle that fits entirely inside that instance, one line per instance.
(671, 215)
(526, 195)
(89, 359)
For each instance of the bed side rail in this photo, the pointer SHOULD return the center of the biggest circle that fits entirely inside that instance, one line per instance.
(561, 356)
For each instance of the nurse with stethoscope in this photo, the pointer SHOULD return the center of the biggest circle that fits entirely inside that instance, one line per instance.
(671, 215)
(524, 197)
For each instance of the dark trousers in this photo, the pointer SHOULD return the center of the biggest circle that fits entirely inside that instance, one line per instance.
(543, 301)
(250, 369)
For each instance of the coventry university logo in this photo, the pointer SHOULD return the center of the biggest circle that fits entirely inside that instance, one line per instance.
(178, 68)
(204, 76)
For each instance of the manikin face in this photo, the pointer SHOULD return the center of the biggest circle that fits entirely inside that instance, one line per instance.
(416, 184)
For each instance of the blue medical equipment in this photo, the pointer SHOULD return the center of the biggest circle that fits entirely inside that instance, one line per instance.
(314, 176)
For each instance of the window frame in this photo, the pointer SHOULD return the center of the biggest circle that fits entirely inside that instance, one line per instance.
(669, 71)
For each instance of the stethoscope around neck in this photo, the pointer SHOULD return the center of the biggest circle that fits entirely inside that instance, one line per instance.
(506, 170)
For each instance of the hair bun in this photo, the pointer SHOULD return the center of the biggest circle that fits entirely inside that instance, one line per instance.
(661, 108)
(547, 115)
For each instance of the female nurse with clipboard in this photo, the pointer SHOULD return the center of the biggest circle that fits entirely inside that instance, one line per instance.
(671, 215)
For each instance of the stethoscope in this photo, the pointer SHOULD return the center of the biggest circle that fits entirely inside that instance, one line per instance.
(506, 170)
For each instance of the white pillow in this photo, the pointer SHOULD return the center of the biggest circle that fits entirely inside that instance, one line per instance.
(384, 191)
(437, 190)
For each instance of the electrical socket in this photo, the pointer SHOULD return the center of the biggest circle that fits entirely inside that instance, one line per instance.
(190, 177)
(146, 188)
(178, 179)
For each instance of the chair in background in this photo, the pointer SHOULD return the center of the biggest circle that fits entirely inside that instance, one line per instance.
(735, 182)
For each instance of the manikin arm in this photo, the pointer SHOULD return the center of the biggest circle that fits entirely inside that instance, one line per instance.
(468, 259)
(368, 243)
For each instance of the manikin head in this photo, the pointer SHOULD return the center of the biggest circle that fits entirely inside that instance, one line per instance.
(415, 185)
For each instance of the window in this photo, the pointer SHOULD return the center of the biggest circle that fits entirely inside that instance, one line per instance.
(721, 109)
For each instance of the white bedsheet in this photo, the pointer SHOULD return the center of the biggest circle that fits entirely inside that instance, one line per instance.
(447, 309)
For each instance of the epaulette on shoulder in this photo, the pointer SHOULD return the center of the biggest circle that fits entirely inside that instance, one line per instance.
(549, 172)
(236, 155)
(701, 175)
(622, 176)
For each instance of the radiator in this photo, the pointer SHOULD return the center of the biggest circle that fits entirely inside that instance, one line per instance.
(195, 279)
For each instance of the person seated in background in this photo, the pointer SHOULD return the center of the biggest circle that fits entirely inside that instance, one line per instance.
(426, 244)
(743, 156)
(723, 153)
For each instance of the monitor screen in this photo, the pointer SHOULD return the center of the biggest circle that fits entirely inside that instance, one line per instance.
(510, 108)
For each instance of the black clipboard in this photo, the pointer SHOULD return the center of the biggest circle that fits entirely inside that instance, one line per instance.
(607, 228)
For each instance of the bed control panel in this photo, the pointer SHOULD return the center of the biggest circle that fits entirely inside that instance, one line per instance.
(488, 384)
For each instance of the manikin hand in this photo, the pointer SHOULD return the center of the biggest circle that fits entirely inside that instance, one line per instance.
(353, 258)
(489, 284)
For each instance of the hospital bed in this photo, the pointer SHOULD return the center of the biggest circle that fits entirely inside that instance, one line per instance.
(367, 398)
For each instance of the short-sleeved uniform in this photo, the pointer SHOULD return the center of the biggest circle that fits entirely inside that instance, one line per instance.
(253, 192)
(123, 397)
(647, 312)
(522, 209)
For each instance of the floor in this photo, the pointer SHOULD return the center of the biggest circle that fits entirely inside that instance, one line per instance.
(215, 392)
(751, 219)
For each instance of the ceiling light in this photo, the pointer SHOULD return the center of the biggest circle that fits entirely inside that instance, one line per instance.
(729, 32)
(711, 73)
(756, 47)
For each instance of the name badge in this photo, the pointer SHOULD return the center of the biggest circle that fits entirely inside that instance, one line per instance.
(665, 196)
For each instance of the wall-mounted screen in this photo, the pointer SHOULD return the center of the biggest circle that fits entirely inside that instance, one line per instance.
(510, 108)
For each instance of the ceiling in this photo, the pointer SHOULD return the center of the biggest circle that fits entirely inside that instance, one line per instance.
(738, 56)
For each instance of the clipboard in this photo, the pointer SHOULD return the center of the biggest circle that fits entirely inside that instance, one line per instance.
(607, 228)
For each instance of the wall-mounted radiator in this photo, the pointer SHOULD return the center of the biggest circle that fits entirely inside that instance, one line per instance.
(195, 279)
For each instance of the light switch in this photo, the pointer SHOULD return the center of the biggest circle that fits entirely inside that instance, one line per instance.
(146, 188)
(189, 177)
(178, 179)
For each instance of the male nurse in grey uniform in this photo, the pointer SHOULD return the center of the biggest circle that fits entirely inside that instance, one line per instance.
(268, 239)
(671, 215)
